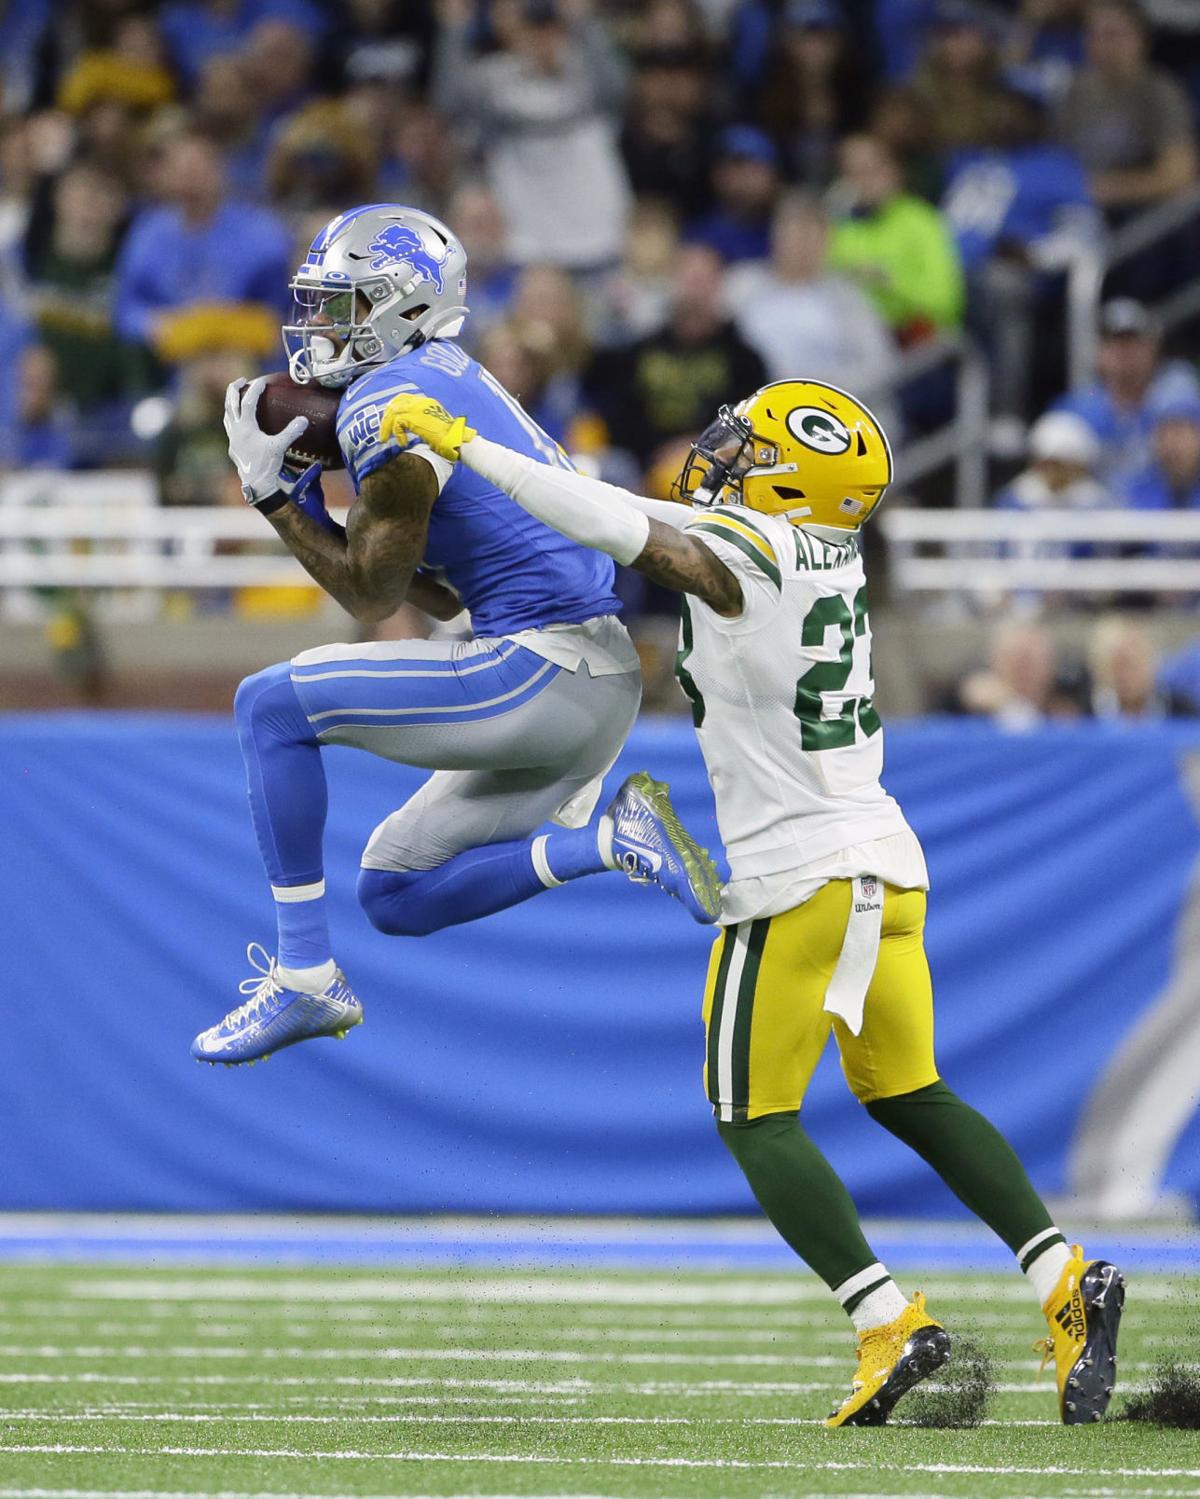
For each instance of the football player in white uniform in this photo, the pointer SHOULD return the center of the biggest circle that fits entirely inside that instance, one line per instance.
(823, 916)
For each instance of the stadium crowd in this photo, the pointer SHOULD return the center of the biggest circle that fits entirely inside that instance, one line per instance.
(664, 203)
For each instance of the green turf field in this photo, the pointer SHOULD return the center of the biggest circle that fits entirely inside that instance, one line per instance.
(232, 1382)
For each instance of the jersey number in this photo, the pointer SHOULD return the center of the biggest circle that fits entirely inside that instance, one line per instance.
(818, 732)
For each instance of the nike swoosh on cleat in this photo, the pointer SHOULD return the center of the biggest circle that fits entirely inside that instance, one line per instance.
(653, 859)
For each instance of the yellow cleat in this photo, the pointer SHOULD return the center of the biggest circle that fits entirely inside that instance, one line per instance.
(891, 1360)
(1084, 1314)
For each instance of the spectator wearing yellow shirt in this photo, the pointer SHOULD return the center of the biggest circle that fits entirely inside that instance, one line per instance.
(895, 245)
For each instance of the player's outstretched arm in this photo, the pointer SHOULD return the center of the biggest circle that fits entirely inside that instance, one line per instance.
(635, 530)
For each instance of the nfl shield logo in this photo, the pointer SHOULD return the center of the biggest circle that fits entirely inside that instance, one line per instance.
(869, 886)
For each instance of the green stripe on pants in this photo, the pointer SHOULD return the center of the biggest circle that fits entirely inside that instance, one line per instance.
(714, 1018)
(744, 1019)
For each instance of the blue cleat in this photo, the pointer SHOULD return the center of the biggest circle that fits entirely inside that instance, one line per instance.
(274, 1017)
(654, 848)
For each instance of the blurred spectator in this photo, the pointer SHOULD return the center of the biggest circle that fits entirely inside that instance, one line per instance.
(1172, 479)
(899, 123)
(901, 26)
(955, 84)
(803, 320)
(1020, 211)
(1064, 452)
(547, 317)
(193, 458)
(897, 247)
(476, 217)
(745, 182)
(131, 71)
(195, 30)
(385, 42)
(1019, 689)
(42, 438)
(545, 109)
(1124, 673)
(319, 160)
(70, 268)
(665, 141)
(421, 165)
(278, 56)
(1133, 385)
(817, 91)
(23, 33)
(638, 295)
(1023, 198)
(198, 272)
(1179, 679)
(227, 110)
(670, 383)
(1128, 122)
(1048, 37)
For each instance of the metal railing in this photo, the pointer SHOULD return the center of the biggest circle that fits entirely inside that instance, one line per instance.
(961, 442)
(1090, 266)
(987, 552)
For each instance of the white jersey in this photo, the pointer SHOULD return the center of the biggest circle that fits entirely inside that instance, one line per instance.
(782, 702)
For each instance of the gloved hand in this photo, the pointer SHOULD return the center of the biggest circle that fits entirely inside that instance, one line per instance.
(257, 456)
(427, 420)
(304, 491)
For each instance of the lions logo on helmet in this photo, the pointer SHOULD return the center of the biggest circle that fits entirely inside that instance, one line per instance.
(799, 449)
(396, 244)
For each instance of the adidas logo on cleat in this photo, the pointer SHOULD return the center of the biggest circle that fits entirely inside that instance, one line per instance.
(1070, 1317)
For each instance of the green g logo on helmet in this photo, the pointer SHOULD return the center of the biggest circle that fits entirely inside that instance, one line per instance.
(819, 430)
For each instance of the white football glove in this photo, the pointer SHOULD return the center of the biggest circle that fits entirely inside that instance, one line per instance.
(257, 456)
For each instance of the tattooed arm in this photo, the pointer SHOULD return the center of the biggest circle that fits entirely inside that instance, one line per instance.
(371, 570)
(683, 562)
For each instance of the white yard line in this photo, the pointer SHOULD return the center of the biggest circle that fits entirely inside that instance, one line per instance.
(288, 1353)
(532, 1288)
(351, 1417)
(697, 1389)
(261, 1494)
(524, 1459)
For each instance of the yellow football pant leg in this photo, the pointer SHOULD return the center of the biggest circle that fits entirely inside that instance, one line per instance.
(766, 1028)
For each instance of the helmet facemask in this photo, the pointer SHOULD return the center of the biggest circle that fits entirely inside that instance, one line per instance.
(330, 338)
(721, 457)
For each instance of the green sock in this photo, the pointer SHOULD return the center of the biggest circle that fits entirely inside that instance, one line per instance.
(972, 1157)
(803, 1197)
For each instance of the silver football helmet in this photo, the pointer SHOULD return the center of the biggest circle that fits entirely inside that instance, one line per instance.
(377, 280)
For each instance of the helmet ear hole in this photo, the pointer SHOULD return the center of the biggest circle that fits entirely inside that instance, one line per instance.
(785, 493)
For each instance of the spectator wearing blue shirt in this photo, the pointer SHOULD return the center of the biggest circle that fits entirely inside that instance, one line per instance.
(1020, 211)
(197, 30)
(198, 271)
(1171, 481)
(1134, 385)
(745, 181)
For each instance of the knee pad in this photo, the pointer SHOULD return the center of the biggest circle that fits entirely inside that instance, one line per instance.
(268, 698)
(390, 899)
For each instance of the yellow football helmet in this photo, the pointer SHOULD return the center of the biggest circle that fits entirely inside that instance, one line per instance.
(799, 449)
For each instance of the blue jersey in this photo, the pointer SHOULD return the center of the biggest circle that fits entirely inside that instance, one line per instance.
(511, 571)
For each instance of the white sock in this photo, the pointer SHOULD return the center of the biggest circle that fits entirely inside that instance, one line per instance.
(604, 842)
(883, 1305)
(883, 1302)
(1043, 1271)
(308, 980)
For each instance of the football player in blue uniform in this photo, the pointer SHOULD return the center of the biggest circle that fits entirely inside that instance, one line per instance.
(519, 724)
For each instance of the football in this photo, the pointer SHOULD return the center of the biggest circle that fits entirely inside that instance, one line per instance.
(284, 399)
